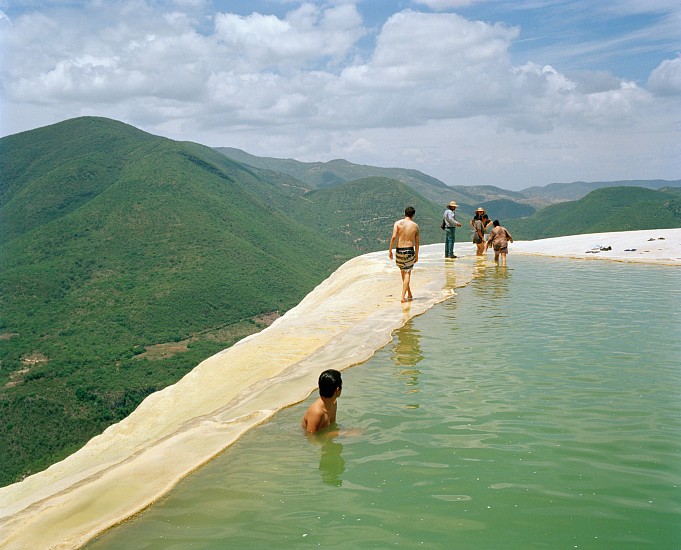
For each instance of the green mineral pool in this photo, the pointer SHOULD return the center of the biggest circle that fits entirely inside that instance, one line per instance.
(538, 408)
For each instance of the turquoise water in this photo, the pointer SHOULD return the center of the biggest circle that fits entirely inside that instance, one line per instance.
(539, 408)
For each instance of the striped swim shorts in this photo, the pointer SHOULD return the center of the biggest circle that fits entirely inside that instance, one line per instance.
(404, 257)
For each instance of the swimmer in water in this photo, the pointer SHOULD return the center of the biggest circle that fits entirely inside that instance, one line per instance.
(322, 413)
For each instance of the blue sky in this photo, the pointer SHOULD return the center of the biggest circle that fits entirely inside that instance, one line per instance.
(505, 93)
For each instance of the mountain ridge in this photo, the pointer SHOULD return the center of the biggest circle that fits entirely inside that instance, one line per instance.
(168, 242)
(603, 210)
(334, 172)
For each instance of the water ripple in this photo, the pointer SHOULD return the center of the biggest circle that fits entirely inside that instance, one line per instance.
(538, 408)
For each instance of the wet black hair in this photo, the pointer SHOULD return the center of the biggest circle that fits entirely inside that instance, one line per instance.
(409, 211)
(329, 380)
(495, 223)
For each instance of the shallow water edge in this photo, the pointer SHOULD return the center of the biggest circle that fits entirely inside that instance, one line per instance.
(562, 432)
(174, 431)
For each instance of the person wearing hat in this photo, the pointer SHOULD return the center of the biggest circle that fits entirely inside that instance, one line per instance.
(478, 225)
(449, 224)
(478, 214)
(482, 214)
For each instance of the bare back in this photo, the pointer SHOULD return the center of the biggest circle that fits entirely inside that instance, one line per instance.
(406, 233)
(321, 414)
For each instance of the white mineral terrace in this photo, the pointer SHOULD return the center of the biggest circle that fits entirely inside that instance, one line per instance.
(340, 323)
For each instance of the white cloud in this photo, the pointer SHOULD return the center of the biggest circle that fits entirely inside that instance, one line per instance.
(665, 80)
(430, 66)
(442, 66)
(441, 5)
(311, 84)
(362, 145)
(304, 36)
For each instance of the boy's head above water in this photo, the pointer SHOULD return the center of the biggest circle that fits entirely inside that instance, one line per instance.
(329, 381)
(322, 413)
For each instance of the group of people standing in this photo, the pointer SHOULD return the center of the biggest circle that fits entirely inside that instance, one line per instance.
(497, 238)
(405, 239)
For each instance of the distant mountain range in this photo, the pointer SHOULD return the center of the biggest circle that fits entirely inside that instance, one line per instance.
(604, 210)
(320, 175)
(560, 192)
(128, 258)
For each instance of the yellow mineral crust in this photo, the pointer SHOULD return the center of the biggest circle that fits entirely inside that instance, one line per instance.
(340, 323)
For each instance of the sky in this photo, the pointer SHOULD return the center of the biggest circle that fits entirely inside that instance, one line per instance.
(473, 92)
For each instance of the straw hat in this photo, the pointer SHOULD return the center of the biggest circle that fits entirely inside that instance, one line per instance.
(453, 204)
(480, 209)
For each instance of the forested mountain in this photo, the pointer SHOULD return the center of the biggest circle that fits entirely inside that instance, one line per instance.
(515, 203)
(328, 175)
(361, 213)
(115, 242)
(322, 175)
(559, 192)
(603, 210)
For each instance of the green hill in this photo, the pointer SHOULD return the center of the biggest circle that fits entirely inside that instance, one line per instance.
(487, 195)
(326, 175)
(329, 174)
(604, 210)
(361, 213)
(43, 178)
(322, 175)
(120, 249)
(503, 209)
(558, 192)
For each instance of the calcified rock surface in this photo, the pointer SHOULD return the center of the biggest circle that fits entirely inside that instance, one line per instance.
(655, 246)
(339, 324)
(174, 431)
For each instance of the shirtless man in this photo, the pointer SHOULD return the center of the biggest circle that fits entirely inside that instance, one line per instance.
(322, 413)
(406, 236)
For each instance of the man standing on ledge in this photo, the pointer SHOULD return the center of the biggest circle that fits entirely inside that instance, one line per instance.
(450, 225)
(406, 236)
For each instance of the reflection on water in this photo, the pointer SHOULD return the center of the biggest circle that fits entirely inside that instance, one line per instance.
(406, 354)
(331, 463)
(406, 347)
(538, 408)
(450, 276)
(493, 286)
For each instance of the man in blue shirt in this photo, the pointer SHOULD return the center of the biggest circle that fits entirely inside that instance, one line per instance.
(451, 224)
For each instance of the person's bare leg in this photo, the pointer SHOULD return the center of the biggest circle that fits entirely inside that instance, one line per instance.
(406, 291)
(503, 258)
